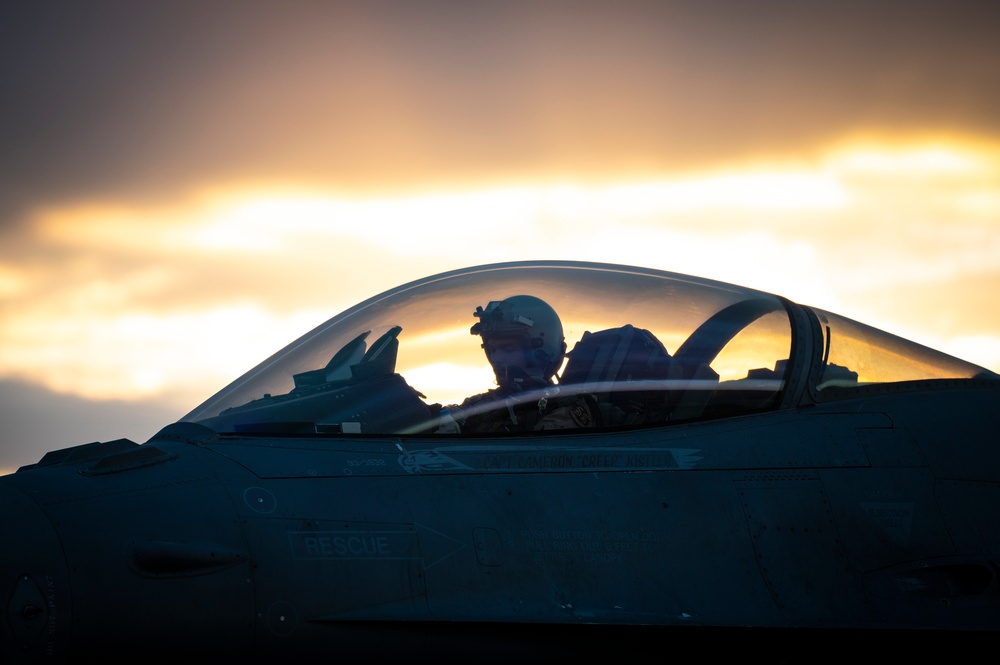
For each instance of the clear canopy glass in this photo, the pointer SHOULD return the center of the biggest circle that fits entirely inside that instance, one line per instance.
(856, 355)
(387, 365)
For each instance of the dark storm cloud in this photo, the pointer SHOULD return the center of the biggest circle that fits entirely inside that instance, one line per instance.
(142, 100)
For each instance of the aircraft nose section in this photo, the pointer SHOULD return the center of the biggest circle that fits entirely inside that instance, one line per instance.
(34, 589)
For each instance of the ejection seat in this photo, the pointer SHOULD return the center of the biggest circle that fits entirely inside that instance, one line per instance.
(634, 379)
(626, 370)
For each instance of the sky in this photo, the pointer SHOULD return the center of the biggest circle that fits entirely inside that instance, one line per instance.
(185, 186)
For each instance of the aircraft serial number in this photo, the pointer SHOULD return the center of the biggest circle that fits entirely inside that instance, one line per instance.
(366, 462)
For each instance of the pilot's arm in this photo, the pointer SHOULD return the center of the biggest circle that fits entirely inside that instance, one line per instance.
(581, 412)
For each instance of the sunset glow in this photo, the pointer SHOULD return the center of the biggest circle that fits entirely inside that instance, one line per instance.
(125, 349)
(187, 188)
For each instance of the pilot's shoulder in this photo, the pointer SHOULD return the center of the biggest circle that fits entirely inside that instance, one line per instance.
(481, 397)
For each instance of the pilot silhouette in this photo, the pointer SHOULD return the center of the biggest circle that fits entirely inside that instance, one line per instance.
(524, 344)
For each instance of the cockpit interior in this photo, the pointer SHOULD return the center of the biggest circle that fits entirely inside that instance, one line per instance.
(651, 348)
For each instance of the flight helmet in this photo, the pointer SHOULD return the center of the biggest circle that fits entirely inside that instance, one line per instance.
(535, 325)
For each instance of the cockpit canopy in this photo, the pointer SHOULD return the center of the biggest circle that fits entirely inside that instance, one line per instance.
(652, 347)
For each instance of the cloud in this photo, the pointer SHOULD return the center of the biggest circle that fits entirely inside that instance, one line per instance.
(37, 420)
(126, 301)
(189, 185)
(148, 100)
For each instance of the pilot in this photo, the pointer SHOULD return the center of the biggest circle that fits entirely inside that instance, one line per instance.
(522, 337)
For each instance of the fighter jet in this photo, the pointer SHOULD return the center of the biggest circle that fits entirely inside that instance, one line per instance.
(531, 455)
